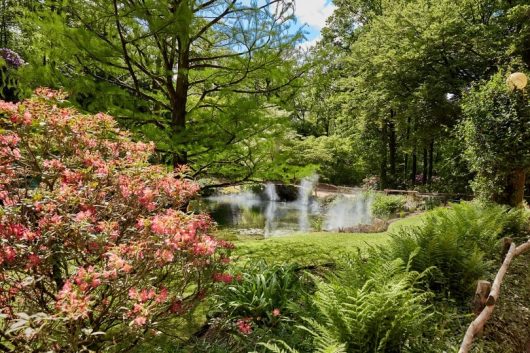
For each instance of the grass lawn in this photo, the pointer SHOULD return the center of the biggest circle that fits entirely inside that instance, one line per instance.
(314, 248)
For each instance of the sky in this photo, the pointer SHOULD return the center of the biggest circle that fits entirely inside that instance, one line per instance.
(313, 13)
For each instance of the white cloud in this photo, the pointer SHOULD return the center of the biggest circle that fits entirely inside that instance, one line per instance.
(313, 12)
(309, 43)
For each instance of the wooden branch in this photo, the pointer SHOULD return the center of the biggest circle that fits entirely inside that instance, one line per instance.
(521, 249)
(496, 287)
(125, 52)
(227, 11)
(478, 324)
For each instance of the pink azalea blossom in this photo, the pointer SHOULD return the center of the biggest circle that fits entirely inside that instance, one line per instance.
(244, 326)
(110, 218)
(140, 321)
(223, 277)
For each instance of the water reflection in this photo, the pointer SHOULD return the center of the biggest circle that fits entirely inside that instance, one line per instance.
(267, 218)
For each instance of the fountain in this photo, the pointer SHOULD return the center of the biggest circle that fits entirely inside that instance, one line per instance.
(304, 202)
(307, 185)
(270, 211)
(345, 213)
(250, 214)
(270, 191)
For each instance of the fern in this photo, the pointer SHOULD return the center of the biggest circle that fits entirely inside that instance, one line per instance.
(282, 347)
(373, 306)
(459, 243)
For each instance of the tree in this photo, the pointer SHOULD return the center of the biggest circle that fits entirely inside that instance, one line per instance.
(497, 135)
(175, 70)
(95, 254)
(398, 71)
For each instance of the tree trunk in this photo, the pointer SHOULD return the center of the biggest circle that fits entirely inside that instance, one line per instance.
(179, 103)
(406, 167)
(517, 181)
(392, 146)
(425, 166)
(5, 40)
(431, 162)
(384, 143)
(414, 166)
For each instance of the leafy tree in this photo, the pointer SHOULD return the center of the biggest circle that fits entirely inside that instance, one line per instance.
(94, 251)
(200, 78)
(396, 74)
(497, 134)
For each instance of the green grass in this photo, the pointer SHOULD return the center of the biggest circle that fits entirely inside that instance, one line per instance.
(314, 248)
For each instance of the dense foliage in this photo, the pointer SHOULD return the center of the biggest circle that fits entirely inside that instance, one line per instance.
(405, 297)
(202, 79)
(222, 85)
(95, 251)
(390, 76)
(497, 135)
(386, 206)
(10, 62)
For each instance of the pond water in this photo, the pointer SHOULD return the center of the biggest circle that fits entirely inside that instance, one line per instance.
(266, 215)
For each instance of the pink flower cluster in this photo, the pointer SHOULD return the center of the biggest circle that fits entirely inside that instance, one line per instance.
(72, 303)
(223, 277)
(244, 326)
(90, 231)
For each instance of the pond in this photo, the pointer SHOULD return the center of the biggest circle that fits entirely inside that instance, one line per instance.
(265, 214)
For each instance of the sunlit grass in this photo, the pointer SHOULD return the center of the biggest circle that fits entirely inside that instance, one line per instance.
(314, 248)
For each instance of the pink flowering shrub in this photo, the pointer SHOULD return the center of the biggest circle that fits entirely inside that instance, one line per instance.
(95, 252)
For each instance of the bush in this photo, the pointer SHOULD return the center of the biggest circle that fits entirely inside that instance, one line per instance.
(336, 158)
(262, 292)
(95, 253)
(255, 302)
(432, 202)
(460, 242)
(385, 206)
(496, 132)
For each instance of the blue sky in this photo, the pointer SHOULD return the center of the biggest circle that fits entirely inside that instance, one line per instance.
(313, 13)
(310, 14)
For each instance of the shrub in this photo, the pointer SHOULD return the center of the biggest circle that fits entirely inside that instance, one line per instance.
(255, 302)
(384, 206)
(496, 132)
(95, 253)
(432, 202)
(460, 242)
(262, 293)
(336, 158)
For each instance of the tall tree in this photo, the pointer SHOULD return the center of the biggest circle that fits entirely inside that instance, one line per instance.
(400, 68)
(187, 66)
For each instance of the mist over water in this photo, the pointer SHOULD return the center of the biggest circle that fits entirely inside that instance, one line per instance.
(305, 204)
(307, 185)
(347, 212)
(270, 191)
(244, 199)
